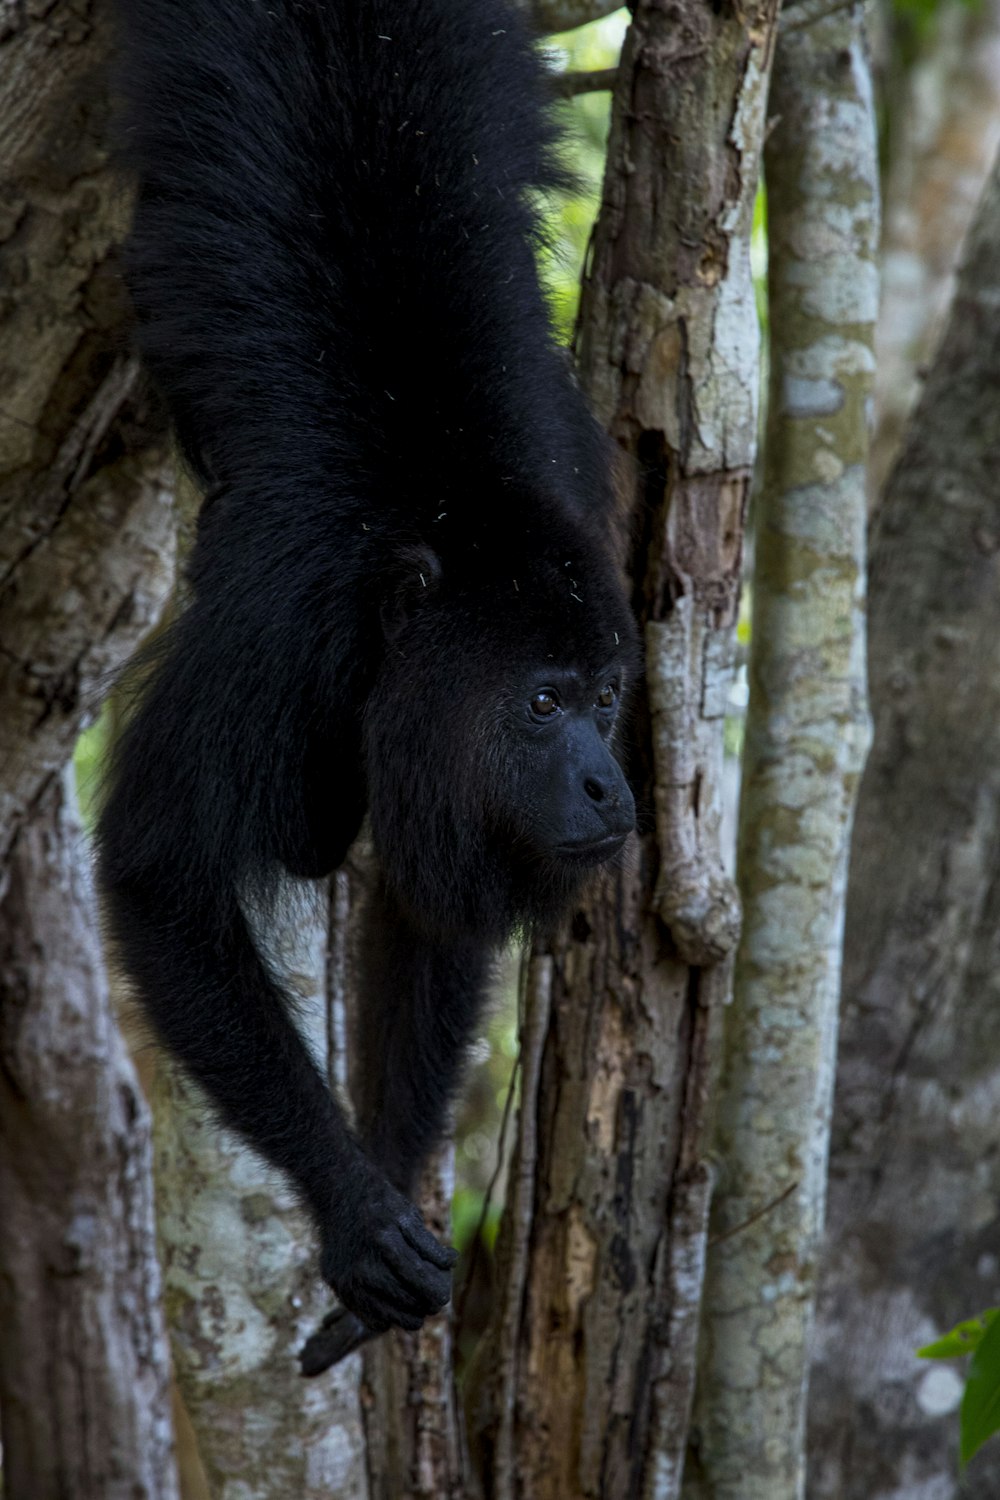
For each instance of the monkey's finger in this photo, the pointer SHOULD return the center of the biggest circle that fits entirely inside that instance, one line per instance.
(395, 1292)
(415, 1232)
(430, 1283)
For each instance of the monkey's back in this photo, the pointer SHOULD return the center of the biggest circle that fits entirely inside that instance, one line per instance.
(332, 255)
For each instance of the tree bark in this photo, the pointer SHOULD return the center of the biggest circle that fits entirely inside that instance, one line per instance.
(604, 1233)
(806, 739)
(85, 563)
(86, 535)
(915, 1173)
(84, 1382)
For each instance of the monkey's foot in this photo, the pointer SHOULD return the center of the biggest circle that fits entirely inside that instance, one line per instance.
(339, 1334)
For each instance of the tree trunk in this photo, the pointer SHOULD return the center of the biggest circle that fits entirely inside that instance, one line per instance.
(915, 1173)
(85, 563)
(86, 540)
(84, 1385)
(585, 1381)
(807, 734)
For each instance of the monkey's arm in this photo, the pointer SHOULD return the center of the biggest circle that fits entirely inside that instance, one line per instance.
(215, 1005)
(422, 1001)
(205, 796)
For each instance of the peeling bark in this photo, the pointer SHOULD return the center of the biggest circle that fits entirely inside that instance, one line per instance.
(806, 739)
(915, 1173)
(597, 1389)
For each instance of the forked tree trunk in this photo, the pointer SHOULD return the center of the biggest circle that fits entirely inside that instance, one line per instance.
(586, 1377)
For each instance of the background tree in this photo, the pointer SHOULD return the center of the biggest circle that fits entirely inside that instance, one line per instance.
(915, 1167)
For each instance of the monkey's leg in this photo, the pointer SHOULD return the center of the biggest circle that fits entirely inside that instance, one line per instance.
(420, 1005)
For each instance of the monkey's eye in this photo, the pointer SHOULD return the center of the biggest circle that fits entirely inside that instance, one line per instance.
(544, 704)
(607, 696)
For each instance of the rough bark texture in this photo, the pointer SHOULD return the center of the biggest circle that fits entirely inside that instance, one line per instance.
(915, 1171)
(84, 1384)
(600, 1256)
(807, 734)
(944, 127)
(242, 1284)
(85, 515)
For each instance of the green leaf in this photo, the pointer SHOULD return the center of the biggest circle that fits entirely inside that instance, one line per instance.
(964, 1338)
(980, 1411)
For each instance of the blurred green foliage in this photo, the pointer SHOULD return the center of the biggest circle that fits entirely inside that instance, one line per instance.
(979, 1416)
(585, 118)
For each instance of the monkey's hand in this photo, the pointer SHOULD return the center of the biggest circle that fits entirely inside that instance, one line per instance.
(381, 1260)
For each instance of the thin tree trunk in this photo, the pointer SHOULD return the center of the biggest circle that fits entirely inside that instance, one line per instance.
(84, 1384)
(586, 1378)
(914, 1224)
(807, 735)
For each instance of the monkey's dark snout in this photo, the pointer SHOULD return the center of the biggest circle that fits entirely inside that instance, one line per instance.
(615, 805)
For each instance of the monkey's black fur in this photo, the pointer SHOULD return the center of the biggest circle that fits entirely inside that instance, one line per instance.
(404, 597)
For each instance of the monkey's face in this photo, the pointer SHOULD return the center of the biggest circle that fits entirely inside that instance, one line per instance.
(493, 787)
(567, 798)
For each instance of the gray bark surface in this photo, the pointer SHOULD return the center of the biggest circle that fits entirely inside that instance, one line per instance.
(914, 1223)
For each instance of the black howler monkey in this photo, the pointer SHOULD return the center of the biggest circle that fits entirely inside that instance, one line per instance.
(404, 599)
